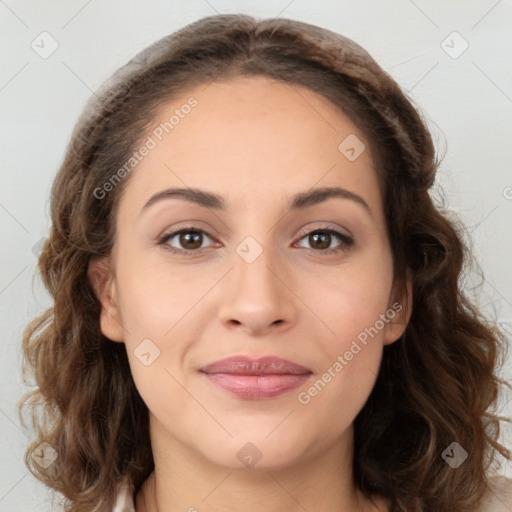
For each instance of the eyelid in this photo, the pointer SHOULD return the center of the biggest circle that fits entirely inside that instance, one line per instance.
(164, 238)
(346, 239)
(326, 227)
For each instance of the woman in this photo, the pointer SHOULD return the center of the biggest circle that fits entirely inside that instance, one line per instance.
(256, 302)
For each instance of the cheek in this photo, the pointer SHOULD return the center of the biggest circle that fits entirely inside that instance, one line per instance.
(156, 314)
(160, 312)
(350, 350)
(351, 299)
(155, 300)
(350, 305)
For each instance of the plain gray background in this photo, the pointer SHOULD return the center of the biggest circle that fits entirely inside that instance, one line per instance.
(464, 93)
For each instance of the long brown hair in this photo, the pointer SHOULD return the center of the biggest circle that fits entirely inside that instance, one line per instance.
(437, 384)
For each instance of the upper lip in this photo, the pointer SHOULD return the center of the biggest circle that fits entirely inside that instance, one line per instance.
(243, 365)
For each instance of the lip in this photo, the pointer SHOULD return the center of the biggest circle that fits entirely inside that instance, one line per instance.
(256, 379)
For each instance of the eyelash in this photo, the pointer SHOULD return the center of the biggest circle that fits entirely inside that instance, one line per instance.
(346, 241)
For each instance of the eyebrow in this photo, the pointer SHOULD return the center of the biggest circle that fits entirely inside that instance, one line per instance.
(217, 202)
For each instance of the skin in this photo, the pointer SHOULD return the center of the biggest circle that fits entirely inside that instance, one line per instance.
(256, 142)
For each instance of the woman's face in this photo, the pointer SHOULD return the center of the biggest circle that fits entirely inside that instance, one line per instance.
(251, 278)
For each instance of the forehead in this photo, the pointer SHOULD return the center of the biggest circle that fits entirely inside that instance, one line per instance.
(253, 140)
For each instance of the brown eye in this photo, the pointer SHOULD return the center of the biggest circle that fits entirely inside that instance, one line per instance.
(190, 239)
(321, 239)
(187, 239)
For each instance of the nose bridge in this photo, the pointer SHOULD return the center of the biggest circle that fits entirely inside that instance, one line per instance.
(256, 249)
(256, 265)
(255, 294)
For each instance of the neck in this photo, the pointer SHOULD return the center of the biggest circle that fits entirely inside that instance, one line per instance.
(183, 480)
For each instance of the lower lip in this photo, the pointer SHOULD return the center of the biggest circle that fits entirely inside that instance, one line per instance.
(257, 387)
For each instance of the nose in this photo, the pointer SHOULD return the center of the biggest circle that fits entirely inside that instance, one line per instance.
(256, 297)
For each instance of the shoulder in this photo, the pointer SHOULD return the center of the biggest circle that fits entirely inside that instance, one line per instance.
(124, 501)
(499, 495)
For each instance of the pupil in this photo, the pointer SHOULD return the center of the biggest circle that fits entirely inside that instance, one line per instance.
(325, 236)
(186, 240)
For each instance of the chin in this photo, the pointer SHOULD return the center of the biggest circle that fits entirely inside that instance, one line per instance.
(253, 451)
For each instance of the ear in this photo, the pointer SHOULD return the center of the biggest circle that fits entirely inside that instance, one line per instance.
(399, 311)
(103, 283)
